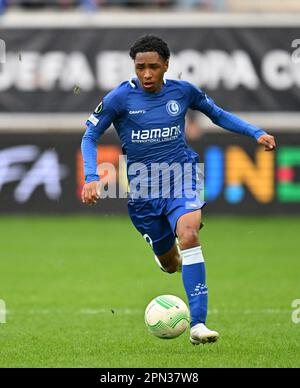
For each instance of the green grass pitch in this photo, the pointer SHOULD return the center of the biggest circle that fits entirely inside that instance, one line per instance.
(76, 288)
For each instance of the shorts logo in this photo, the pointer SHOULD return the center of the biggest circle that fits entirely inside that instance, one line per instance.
(192, 205)
(173, 108)
(148, 239)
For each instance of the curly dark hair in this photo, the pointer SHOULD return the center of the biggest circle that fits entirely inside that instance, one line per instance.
(148, 43)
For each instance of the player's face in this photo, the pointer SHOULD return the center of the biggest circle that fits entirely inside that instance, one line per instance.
(150, 69)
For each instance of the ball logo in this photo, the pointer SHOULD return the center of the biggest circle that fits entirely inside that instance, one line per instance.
(173, 108)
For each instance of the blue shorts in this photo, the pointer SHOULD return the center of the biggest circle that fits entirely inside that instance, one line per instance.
(156, 219)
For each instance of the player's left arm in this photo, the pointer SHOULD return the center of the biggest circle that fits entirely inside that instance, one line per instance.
(200, 101)
(268, 141)
(235, 124)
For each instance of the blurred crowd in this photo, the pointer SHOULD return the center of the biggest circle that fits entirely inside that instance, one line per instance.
(257, 6)
(96, 4)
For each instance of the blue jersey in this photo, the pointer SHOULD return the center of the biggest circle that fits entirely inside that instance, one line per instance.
(151, 126)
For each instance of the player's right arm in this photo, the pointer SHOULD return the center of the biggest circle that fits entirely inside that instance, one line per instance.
(103, 116)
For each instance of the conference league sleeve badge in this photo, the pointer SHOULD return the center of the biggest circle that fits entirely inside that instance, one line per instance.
(99, 108)
(93, 119)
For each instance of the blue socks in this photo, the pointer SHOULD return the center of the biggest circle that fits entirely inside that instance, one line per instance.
(194, 281)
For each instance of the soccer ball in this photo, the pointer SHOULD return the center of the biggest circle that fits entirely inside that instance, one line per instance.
(167, 316)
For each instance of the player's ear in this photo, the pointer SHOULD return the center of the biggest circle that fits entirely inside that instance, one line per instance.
(166, 65)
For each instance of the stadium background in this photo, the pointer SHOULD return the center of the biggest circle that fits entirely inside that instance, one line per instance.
(60, 58)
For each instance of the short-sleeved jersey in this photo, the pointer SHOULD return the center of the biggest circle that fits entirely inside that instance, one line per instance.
(151, 126)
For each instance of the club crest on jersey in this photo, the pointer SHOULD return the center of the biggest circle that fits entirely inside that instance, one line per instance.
(173, 108)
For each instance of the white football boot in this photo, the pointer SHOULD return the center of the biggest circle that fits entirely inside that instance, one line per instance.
(200, 334)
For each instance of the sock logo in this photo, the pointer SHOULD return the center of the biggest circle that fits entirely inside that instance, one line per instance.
(200, 289)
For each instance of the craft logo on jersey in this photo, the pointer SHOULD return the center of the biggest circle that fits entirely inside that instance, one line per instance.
(173, 108)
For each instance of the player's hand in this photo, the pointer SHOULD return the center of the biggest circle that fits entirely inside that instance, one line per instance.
(90, 192)
(268, 141)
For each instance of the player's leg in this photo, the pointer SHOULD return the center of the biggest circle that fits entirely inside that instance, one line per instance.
(173, 257)
(194, 276)
(193, 267)
(170, 261)
(148, 219)
(187, 229)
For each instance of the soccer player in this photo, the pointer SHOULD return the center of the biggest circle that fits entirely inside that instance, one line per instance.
(148, 113)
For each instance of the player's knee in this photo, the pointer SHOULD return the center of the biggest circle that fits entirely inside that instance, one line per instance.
(188, 238)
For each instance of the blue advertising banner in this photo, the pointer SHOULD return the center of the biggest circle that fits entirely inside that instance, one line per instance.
(44, 173)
